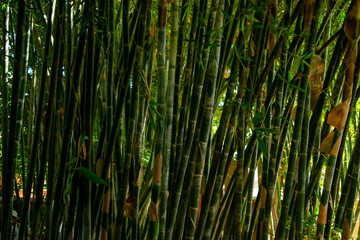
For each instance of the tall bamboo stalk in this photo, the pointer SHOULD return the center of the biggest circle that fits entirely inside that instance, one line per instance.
(194, 109)
(69, 123)
(13, 139)
(168, 119)
(159, 144)
(297, 127)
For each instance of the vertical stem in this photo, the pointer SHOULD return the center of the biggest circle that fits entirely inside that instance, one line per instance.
(13, 141)
(159, 144)
(168, 118)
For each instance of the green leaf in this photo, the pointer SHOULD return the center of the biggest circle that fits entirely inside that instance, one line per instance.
(157, 113)
(247, 104)
(151, 117)
(266, 130)
(252, 18)
(317, 196)
(91, 175)
(296, 87)
(201, 64)
(258, 118)
(262, 145)
(71, 162)
(82, 139)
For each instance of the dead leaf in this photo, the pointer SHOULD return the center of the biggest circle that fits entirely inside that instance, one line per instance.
(157, 169)
(317, 68)
(322, 214)
(351, 23)
(346, 229)
(327, 147)
(315, 93)
(263, 196)
(336, 147)
(153, 214)
(308, 11)
(337, 117)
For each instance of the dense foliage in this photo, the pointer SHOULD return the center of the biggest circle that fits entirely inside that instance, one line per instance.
(219, 119)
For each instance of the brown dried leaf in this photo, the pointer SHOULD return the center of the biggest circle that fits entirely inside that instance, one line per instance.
(352, 22)
(129, 210)
(349, 75)
(336, 147)
(153, 214)
(322, 214)
(315, 93)
(325, 146)
(293, 113)
(138, 180)
(252, 47)
(157, 169)
(346, 230)
(263, 196)
(317, 68)
(230, 172)
(308, 11)
(319, 237)
(337, 117)
(99, 166)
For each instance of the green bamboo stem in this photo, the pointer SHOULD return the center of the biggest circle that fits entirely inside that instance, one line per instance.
(128, 177)
(249, 197)
(274, 145)
(168, 119)
(326, 190)
(333, 65)
(302, 174)
(183, 217)
(224, 216)
(336, 179)
(54, 151)
(176, 112)
(69, 124)
(254, 217)
(353, 193)
(138, 74)
(180, 139)
(239, 172)
(220, 175)
(13, 142)
(69, 52)
(24, 77)
(280, 233)
(83, 219)
(159, 147)
(195, 104)
(58, 58)
(5, 92)
(108, 39)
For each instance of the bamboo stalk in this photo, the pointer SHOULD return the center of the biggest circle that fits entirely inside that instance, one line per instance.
(280, 234)
(13, 142)
(168, 119)
(68, 125)
(195, 104)
(159, 147)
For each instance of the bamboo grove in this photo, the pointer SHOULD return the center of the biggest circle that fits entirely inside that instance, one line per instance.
(180, 119)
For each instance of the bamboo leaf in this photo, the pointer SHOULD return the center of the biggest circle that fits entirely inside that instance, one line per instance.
(247, 104)
(262, 146)
(258, 118)
(91, 175)
(151, 118)
(337, 117)
(156, 112)
(296, 87)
